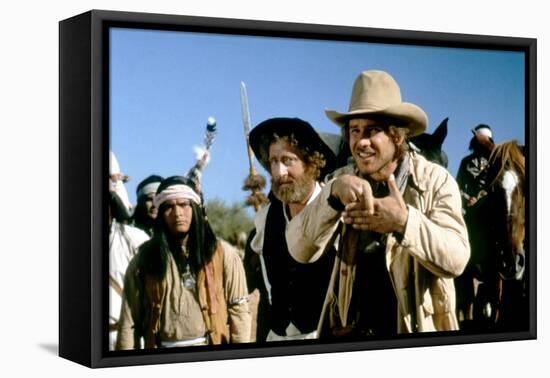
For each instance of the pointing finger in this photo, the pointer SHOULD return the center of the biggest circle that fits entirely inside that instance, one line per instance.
(367, 198)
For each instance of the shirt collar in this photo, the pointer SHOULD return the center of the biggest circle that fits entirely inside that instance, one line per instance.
(315, 193)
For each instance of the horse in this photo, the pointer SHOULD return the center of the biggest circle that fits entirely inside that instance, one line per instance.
(496, 228)
(430, 145)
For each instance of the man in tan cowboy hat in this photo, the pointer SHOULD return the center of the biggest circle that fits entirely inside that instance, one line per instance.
(396, 219)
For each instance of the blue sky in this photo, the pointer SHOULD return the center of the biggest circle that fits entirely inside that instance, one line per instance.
(164, 86)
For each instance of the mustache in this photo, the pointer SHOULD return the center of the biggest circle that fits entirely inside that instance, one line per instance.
(287, 180)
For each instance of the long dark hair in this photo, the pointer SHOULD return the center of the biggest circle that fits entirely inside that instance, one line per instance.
(142, 219)
(141, 216)
(201, 238)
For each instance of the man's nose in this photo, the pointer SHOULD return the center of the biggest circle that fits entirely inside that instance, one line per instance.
(365, 140)
(278, 169)
(178, 211)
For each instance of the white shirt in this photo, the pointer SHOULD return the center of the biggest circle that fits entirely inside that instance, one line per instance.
(124, 241)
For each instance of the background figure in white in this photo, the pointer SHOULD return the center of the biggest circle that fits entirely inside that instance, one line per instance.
(124, 241)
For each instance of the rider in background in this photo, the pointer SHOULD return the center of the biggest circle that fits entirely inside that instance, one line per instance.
(472, 181)
(472, 172)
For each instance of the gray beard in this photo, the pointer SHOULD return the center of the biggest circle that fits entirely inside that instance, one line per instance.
(294, 192)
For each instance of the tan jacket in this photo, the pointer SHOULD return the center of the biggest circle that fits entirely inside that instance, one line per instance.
(434, 248)
(222, 313)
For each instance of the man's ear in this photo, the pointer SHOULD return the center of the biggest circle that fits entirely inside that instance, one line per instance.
(398, 140)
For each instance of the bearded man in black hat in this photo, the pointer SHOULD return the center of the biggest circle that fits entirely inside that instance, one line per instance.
(402, 238)
(146, 212)
(183, 288)
(296, 157)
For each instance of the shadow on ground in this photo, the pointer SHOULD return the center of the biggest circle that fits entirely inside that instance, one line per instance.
(50, 347)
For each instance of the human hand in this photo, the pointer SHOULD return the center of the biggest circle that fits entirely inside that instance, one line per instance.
(389, 213)
(354, 190)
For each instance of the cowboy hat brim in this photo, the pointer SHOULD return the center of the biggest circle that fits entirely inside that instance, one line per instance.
(302, 131)
(413, 117)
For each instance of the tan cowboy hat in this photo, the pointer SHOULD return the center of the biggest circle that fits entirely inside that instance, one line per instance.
(377, 93)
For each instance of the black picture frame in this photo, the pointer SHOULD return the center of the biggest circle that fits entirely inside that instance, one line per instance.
(84, 141)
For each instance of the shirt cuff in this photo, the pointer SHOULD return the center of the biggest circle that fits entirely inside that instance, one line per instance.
(408, 237)
(335, 203)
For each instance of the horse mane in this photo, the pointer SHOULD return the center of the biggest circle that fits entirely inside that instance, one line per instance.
(505, 156)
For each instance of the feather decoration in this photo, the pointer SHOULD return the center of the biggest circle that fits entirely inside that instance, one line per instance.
(202, 154)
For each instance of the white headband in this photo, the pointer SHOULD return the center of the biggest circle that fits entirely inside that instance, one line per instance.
(149, 188)
(176, 192)
(484, 132)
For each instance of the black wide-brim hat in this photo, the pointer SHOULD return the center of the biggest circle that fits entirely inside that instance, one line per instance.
(302, 131)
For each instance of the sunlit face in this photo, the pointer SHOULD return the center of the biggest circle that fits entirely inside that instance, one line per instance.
(177, 215)
(150, 209)
(290, 180)
(372, 148)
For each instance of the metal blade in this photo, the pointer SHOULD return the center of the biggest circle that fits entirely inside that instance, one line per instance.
(244, 110)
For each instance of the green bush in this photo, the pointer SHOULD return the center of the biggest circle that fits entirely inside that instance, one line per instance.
(229, 221)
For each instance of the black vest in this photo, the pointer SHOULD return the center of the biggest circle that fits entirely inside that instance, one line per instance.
(297, 290)
(373, 305)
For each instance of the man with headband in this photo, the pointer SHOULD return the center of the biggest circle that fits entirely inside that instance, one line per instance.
(471, 179)
(472, 170)
(145, 212)
(183, 288)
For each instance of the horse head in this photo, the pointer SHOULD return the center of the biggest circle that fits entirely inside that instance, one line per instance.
(430, 145)
(506, 179)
